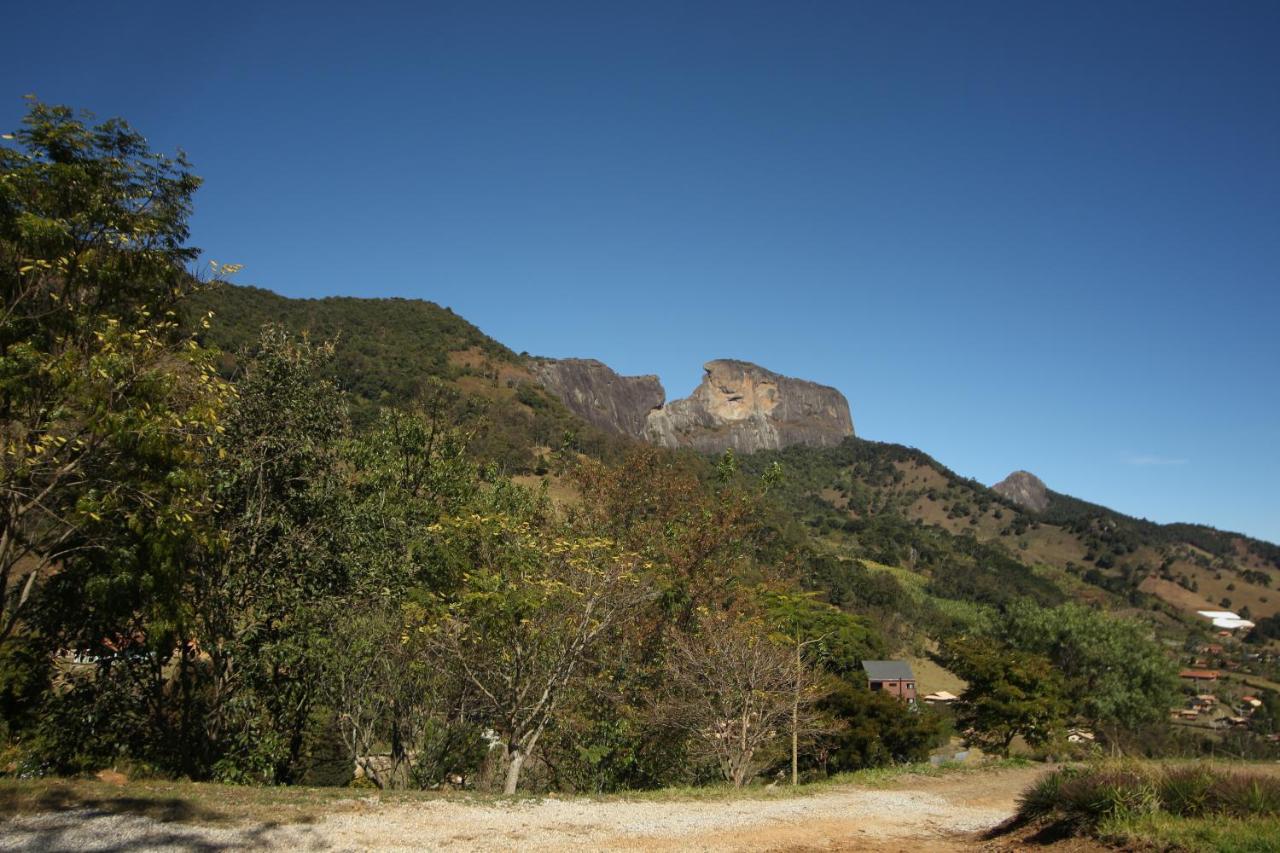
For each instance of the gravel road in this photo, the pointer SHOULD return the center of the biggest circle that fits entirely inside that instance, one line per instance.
(922, 813)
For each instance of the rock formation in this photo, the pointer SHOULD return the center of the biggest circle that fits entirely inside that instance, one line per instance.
(738, 405)
(748, 408)
(598, 395)
(1025, 489)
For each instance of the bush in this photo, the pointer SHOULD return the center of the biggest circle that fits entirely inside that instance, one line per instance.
(1187, 790)
(1044, 796)
(1083, 798)
(1246, 795)
(1092, 798)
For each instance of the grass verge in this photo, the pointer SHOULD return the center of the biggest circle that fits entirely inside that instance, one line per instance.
(1195, 806)
(1195, 834)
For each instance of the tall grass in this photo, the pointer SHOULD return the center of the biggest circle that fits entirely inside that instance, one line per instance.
(1115, 794)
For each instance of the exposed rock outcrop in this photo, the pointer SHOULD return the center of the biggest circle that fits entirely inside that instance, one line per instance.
(1025, 489)
(745, 407)
(594, 392)
(739, 405)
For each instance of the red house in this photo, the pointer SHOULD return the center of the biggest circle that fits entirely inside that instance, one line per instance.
(1198, 676)
(893, 677)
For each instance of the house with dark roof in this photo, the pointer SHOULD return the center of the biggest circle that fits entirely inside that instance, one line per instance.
(893, 677)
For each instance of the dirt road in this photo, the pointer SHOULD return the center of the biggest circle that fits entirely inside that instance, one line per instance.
(914, 813)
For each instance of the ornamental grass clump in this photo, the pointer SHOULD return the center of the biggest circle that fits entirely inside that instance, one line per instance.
(1085, 798)
(1246, 795)
(1044, 797)
(1188, 791)
(1106, 793)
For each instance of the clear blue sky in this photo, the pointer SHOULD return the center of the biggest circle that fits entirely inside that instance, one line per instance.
(1015, 235)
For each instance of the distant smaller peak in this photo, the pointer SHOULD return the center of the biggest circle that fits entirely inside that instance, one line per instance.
(1025, 489)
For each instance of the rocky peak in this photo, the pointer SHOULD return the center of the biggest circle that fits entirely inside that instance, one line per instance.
(742, 406)
(1025, 489)
(594, 392)
(739, 405)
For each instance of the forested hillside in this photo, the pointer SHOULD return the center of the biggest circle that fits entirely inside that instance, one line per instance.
(389, 352)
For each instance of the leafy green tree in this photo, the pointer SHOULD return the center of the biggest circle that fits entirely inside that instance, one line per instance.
(106, 407)
(875, 729)
(406, 473)
(835, 640)
(536, 603)
(1117, 676)
(259, 595)
(1010, 693)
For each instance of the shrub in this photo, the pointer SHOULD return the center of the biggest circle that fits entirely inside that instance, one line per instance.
(1186, 791)
(1044, 796)
(1246, 795)
(1107, 793)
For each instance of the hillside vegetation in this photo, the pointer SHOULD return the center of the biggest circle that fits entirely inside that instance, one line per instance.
(392, 352)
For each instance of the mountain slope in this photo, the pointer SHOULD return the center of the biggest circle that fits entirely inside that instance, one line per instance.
(897, 506)
(388, 351)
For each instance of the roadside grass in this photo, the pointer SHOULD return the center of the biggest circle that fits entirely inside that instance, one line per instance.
(1164, 805)
(1195, 834)
(212, 803)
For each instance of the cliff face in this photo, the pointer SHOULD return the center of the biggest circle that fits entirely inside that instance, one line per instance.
(598, 395)
(738, 405)
(1025, 489)
(745, 407)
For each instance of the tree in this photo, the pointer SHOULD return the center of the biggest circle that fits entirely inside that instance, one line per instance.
(384, 688)
(535, 603)
(106, 407)
(734, 691)
(260, 594)
(699, 536)
(1010, 693)
(407, 471)
(822, 635)
(875, 729)
(1117, 678)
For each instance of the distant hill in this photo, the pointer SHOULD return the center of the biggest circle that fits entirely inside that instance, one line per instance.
(898, 506)
(387, 350)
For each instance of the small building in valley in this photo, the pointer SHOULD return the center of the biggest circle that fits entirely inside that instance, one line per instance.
(893, 677)
(1199, 676)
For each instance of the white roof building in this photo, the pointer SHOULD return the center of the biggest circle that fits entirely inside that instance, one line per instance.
(1225, 619)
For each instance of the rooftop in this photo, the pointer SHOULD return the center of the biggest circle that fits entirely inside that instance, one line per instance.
(888, 670)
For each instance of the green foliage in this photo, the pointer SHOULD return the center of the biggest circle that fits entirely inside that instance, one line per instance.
(1117, 676)
(107, 408)
(396, 353)
(877, 730)
(835, 640)
(278, 489)
(1011, 693)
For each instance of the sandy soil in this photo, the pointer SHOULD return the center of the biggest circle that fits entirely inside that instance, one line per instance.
(915, 813)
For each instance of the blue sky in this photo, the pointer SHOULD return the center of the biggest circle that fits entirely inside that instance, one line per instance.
(1015, 235)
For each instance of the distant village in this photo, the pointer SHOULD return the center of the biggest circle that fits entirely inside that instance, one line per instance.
(1221, 680)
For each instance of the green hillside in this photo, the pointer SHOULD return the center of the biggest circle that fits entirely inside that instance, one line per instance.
(388, 352)
(897, 506)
